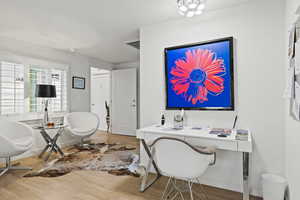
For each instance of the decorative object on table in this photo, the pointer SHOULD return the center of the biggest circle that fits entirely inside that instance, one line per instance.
(82, 124)
(163, 119)
(15, 139)
(78, 82)
(51, 142)
(47, 92)
(178, 120)
(200, 76)
(116, 159)
(107, 118)
(50, 124)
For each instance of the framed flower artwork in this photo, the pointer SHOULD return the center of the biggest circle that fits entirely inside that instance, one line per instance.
(200, 76)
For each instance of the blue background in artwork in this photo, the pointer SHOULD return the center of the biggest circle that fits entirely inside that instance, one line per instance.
(222, 50)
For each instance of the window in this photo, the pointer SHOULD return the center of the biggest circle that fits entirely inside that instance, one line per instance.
(12, 88)
(14, 78)
(38, 75)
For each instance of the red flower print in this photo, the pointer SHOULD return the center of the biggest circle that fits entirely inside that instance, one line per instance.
(198, 74)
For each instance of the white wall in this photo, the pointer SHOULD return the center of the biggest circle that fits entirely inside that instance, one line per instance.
(258, 31)
(79, 100)
(292, 126)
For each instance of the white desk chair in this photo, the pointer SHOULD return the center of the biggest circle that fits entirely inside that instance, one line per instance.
(178, 159)
(15, 139)
(82, 124)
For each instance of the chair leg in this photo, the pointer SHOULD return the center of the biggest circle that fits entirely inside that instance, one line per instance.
(190, 189)
(8, 167)
(82, 144)
(3, 171)
(166, 188)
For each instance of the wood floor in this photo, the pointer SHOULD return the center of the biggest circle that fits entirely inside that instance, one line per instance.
(89, 185)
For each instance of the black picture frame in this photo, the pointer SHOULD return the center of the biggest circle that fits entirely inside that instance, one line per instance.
(75, 85)
(232, 97)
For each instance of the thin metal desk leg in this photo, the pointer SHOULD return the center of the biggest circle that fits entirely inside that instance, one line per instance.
(246, 192)
(144, 184)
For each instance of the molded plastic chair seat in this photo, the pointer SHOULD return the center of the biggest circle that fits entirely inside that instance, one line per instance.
(25, 142)
(180, 160)
(82, 124)
(15, 139)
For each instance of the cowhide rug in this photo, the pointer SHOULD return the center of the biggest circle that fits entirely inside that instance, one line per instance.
(117, 159)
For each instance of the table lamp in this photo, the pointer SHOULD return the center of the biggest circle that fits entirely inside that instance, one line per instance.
(45, 91)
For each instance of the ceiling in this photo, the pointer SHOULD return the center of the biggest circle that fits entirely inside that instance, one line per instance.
(96, 28)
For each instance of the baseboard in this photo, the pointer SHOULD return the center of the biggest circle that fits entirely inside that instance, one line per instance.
(123, 133)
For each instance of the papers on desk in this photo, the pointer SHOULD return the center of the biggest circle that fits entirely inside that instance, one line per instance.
(220, 131)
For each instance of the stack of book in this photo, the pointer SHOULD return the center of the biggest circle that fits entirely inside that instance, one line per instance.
(241, 134)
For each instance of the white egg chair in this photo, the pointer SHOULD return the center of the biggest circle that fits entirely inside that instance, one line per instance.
(82, 124)
(15, 139)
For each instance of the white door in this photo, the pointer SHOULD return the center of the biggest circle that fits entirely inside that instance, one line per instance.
(124, 111)
(100, 92)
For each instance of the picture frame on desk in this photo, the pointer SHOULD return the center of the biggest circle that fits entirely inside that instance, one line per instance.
(78, 82)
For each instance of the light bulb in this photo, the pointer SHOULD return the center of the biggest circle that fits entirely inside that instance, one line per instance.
(183, 8)
(190, 14)
(198, 12)
(201, 6)
(181, 13)
(192, 5)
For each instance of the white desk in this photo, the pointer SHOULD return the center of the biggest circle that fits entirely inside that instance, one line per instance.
(198, 138)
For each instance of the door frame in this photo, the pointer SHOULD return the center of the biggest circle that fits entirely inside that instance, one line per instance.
(109, 90)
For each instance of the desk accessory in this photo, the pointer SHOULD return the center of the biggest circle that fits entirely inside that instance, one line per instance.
(178, 120)
(234, 123)
(222, 135)
(163, 119)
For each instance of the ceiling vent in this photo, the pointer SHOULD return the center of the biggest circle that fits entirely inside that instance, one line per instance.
(135, 44)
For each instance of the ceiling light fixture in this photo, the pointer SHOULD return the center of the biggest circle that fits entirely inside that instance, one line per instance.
(189, 8)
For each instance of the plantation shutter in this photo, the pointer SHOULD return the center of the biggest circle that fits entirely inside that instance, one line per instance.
(11, 88)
